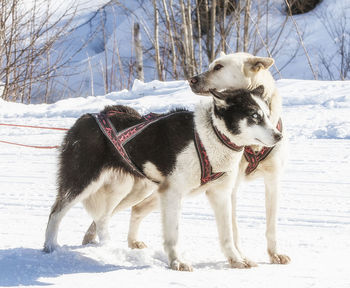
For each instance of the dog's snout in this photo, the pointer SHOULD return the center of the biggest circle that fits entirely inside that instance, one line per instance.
(278, 137)
(194, 80)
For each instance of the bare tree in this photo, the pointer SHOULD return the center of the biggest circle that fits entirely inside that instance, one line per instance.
(138, 52)
(26, 45)
(246, 25)
(238, 26)
(156, 40)
(212, 31)
(199, 27)
(193, 66)
(171, 37)
(338, 30)
(187, 61)
(301, 40)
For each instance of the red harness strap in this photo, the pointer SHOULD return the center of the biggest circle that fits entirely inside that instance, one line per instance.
(206, 169)
(120, 139)
(226, 141)
(255, 158)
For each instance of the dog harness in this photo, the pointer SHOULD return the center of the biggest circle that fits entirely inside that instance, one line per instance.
(255, 158)
(119, 139)
(207, 174)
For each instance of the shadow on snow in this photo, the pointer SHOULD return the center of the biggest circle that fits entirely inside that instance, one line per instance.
(24, 266)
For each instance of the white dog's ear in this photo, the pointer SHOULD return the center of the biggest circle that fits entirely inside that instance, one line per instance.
(257, 63)
(219, 98)
(222, 53)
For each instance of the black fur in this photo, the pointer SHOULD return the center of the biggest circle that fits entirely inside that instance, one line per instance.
(171, 136)
(239, 105)
(86, 151)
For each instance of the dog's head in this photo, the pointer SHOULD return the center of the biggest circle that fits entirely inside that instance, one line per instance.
(245, 115)
(234, 71)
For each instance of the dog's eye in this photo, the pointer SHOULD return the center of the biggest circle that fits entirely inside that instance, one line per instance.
(217, 67)
(256, 116)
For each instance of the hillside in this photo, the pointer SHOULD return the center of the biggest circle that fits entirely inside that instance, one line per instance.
(95, 53)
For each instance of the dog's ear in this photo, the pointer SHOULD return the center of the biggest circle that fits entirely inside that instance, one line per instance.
(255, 64)
(222, 53)
(219, 98)
(259, 91)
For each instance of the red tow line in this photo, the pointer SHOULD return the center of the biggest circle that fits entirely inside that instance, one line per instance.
(29, 126)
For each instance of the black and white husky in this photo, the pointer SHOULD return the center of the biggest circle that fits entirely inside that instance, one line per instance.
(177, 154)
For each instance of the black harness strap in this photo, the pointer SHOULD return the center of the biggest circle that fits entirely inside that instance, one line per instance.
(255, 158)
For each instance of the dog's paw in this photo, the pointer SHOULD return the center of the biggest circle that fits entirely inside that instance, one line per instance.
(279, 259)
(180, 266)
(91, 242)
(50, 247)
(250, 263)
(242, 263)
(89, 239)
(137, 245)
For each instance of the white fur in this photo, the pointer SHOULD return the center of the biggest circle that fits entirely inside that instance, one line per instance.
(100, 198)
(96, 206)
(236, 74)
(152, 171)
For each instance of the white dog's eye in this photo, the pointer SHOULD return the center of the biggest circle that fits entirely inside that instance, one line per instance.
(217, 67)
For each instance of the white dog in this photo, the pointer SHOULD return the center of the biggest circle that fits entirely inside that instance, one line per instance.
(242, 70)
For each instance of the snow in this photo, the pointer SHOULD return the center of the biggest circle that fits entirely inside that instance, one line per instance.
(314, 218)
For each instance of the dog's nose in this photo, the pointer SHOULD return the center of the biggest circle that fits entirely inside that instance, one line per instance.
(278, 137)
(194, 80)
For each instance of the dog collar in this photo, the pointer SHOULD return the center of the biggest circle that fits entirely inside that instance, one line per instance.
(226, 141)
(253, 158)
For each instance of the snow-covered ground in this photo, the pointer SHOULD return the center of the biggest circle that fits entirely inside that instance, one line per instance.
(314, 218)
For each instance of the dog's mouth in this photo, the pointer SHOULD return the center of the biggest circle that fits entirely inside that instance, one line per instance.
(264, 144)
(261, 142)
(201, 92)
(197, 89)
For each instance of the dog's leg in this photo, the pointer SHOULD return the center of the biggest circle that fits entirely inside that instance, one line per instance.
(272, 183)
(170, 200)
(236, 238)
(138, 213)
(58, 210)
(90, 234)
(221, 204)
(140, 190)
(102, 229)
